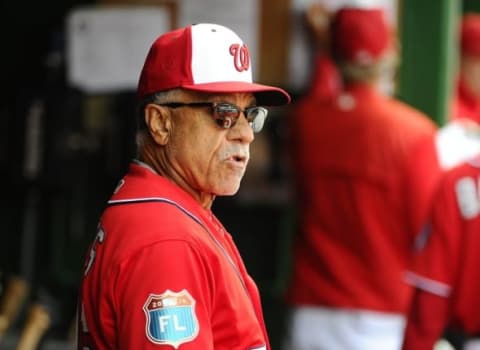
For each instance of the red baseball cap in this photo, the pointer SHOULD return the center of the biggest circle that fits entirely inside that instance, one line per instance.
(360, 35)
(470, 34)
(207, 58)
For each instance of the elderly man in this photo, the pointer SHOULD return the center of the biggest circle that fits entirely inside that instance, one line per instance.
(163, 272)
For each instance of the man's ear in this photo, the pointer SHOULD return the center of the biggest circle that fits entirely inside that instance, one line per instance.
(159, 124)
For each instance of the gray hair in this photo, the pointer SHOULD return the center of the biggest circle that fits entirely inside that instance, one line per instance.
(368, 72)
(172, 95)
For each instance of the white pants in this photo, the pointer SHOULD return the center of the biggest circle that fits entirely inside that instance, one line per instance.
(318, 328)
(472, 345)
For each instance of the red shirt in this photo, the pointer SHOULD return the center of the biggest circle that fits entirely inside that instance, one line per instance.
(163, 273)
(365, 168)
(447, 266)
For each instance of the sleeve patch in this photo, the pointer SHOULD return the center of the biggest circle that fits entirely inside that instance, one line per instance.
(171, 318)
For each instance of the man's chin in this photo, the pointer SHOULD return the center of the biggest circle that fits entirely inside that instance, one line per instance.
(228, 191)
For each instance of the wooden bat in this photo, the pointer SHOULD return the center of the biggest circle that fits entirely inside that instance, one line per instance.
(16, 293)
(37, 324)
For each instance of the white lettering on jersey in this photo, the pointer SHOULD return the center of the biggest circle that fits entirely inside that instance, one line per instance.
(99, 238)
(163, 322)
(468, 197)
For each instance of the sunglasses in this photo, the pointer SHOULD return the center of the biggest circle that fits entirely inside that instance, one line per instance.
(226, 114)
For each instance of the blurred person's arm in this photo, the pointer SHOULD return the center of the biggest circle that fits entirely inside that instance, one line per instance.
(423, 175)
(427, 320)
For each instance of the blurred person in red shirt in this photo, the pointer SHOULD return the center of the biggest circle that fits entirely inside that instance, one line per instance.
(365, 167)
(445, 270)
(444, 273)
(467, 102)
(459, 139)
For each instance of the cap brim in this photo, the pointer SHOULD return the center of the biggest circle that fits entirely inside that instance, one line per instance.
(265, 95)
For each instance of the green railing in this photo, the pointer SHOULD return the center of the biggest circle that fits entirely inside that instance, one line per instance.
(428, 37)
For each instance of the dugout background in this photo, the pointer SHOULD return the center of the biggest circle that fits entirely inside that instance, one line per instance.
(62, 151)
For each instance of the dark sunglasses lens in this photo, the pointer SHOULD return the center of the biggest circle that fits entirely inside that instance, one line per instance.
(226, 115)
(256, 117)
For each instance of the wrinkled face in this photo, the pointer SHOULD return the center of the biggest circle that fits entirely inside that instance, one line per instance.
(208, 158)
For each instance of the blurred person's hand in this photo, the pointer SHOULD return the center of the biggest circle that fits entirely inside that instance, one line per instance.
(442, 344)
(317, 18)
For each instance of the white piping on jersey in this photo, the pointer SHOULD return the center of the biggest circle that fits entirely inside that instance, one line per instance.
(427, 284)
(144, 165)
(154, 199)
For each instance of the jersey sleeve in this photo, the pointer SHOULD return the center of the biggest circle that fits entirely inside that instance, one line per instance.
(422, 174)
(426, 321)
(437, 262)
(164, 294)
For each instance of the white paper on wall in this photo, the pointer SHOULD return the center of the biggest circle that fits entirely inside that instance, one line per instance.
(106, 46)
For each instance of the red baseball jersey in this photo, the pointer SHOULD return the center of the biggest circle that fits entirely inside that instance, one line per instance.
(366, 167)
(163, 273)
(448, 261)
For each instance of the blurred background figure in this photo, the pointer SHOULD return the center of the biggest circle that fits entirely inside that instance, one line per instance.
(365, 167)
(325, 80)
(459, 138)
(467, 101)
(445, 270)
